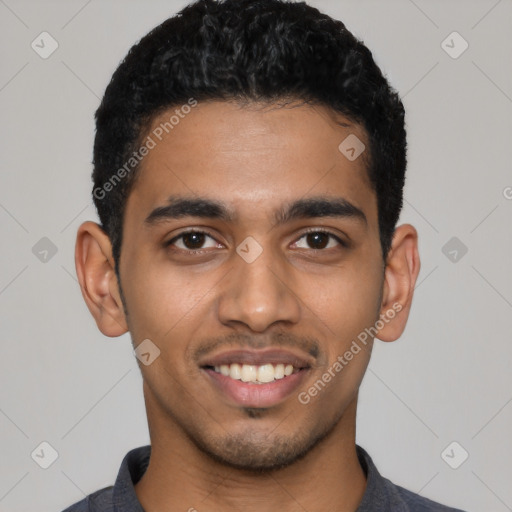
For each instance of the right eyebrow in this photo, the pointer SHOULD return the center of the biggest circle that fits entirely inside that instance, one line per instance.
(179, 207)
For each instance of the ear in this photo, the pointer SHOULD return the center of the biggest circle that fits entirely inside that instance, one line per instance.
(95, 270)
(401, 272)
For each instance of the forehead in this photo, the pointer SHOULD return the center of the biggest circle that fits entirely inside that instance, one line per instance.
(252, 157)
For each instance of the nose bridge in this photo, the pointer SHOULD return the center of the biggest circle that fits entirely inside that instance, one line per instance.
(258, 294)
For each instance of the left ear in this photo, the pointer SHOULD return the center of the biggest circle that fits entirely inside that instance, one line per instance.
(402, 269)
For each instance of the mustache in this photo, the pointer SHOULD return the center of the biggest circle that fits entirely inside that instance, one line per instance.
(308, 344)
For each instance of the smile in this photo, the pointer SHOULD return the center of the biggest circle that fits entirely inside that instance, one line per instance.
(256, 378)
(256, 374)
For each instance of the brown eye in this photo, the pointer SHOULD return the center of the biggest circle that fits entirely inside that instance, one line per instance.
(192, 241)
(319, 240)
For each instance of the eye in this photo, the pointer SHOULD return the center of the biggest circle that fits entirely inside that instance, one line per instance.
(192, 241)
(319, 240)
(196, 241)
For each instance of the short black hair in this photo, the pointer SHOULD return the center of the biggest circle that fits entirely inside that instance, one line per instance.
(247, 50)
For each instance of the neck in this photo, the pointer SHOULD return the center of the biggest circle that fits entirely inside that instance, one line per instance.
(181, 477)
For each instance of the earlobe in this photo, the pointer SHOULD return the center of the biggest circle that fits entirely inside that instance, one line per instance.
(97, 278)
(401, 272)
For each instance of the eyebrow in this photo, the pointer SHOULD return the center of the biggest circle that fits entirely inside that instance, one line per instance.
(312, 207)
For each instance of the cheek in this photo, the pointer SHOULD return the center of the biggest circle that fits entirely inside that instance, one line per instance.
(347, 306)
(345, 301)
(162, 300)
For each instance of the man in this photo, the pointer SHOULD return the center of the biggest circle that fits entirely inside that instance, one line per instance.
(248, 172)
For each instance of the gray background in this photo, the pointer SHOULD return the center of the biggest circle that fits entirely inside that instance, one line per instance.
(447, 379)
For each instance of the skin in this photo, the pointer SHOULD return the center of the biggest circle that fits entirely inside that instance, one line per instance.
(255, 159)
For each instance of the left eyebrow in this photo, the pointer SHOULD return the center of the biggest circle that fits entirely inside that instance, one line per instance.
(313, 207)
(323, 206)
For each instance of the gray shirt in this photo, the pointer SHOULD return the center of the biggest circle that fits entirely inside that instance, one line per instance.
(381, 495)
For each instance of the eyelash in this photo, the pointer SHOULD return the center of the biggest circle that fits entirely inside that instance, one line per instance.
(202, 251)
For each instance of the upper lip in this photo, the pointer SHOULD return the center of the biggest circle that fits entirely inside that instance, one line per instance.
(257, 358)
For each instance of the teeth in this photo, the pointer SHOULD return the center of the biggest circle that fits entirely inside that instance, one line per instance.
(255, 374)
(235, 371)
(249, 373)
(266, 373)
(279, 371)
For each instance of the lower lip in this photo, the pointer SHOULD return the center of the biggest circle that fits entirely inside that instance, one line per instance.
(247, 394)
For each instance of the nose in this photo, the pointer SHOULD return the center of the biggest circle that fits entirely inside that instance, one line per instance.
(258, 294)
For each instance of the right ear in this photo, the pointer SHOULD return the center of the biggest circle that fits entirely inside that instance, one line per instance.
(98, 281)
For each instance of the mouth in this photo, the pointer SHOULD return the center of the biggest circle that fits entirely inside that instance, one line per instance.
(256, 378)
(255, 374)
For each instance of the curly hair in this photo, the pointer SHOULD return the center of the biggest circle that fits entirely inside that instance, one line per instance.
(248, 50)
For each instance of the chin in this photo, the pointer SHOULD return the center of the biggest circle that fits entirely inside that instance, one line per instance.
(260, 452)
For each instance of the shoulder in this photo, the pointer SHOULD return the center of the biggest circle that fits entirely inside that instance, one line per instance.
(415, 503)
(383, 495)
(99, 501)
(122, 492)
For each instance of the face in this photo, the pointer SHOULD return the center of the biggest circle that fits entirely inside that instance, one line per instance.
(251, 258)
